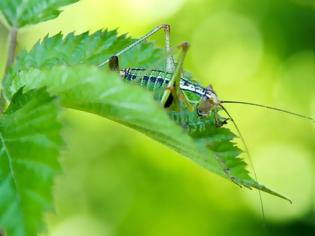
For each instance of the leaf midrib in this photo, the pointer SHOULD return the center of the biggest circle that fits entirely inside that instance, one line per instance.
(12, 172)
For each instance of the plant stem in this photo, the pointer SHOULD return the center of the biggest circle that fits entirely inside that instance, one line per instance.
(11, 49)
(10, 60)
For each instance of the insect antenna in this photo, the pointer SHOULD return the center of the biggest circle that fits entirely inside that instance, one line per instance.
(271, 108)
(250, 162)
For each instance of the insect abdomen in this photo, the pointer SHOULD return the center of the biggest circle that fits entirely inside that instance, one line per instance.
(154, 80)
(147, 78)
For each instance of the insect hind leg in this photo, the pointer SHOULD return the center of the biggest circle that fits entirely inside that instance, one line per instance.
(170, 64)
(172, 93)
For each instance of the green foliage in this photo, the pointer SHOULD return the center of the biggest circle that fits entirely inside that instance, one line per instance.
(66, 66)
(89, 89)
(29, 144)
(19, 13)
(84, 91)
(84, 49)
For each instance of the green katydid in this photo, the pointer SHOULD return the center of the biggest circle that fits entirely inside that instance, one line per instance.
(187, 102)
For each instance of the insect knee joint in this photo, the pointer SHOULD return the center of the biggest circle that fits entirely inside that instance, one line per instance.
(166, 27)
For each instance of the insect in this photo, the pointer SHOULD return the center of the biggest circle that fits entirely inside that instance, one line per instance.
(177, 92)
(175, 84)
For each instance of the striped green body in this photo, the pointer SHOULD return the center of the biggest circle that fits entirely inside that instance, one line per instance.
(156, 81)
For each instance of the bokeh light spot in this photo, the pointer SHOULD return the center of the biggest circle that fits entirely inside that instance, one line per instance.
(147, 9)
(229, 49)
(287, 170)
(129, 15)
(80, 225)
(297, 81)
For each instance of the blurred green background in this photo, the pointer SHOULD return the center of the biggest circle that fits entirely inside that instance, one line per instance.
(116, 181)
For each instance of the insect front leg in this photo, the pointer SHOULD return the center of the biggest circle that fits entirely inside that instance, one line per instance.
(218, 121)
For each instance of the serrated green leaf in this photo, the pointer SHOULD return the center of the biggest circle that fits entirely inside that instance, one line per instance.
(29, 146)
(19, 13)
(97, 91)
(84, 49)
